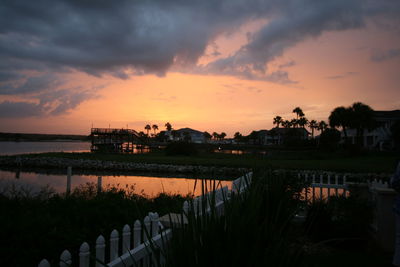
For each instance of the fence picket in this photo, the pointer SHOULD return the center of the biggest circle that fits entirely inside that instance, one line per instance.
(84, 255)
(137, 230)
(44, 263)
(126, 239)
(100, 251)
(114, 238)
(65, 259)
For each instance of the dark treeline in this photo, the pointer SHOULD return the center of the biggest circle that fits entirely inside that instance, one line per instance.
(41, 137)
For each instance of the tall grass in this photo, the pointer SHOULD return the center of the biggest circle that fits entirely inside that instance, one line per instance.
(256, 228)
(42, 225)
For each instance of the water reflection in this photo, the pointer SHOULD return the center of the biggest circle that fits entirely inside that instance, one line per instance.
(146, 185)
(318, 193)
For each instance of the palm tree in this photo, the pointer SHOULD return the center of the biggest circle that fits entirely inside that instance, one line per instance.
(362, 119)
(294, 123)
(237, 136)
(277, 120)
(222, 135)
(322, 126)
(341, 117)
(168, 126)
(313, 125)
(286, 124)
(299, 112)
(155, 127)
(302, 122)
(215, 135)
(147, 128)
(207, 135)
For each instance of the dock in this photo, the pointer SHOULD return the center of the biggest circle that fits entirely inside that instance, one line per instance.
(114, 140)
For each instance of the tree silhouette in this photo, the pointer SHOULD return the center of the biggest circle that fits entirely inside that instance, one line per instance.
(207, 135)
(215, 135)
(222, 135)
(237, 136)
(294, 123)
(362, 119)
(299, 112)
(277, 120)
(322, 126)
(341, 117)
(286, 124)
(168, 126)
(302, 122)
(147, 128)
(313, 125)
(155, 127)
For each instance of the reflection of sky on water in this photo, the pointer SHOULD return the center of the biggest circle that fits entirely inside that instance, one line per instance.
(150, 186)
(13, 148)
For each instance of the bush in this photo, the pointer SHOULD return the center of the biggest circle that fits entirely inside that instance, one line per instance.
(329, 139)
(340, 217)
(37, 227)
(255, 230)
(181, 148)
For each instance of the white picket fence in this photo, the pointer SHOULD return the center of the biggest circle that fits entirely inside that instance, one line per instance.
(138, 247)
(324, 186)
(214, 200)
(146, 244)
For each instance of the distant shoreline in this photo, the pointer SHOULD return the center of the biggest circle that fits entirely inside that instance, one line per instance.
(29, 137)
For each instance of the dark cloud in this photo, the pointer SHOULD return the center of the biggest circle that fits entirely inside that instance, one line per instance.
(53, 103)
(26, 84)
(126, 37)
(341, 76)
(379, 55)
(10, 109)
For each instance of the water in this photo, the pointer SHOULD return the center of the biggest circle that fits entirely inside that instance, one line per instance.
(144, 185)
(14, 148)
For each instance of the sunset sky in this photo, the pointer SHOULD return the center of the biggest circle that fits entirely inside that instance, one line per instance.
(227, 65)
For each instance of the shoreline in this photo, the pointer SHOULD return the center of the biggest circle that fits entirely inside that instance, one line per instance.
(98, 166)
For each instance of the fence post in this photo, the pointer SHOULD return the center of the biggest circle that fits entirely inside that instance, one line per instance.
(313, 187)
(154, 224)
(65, 259)
(114, 245)
(321, 180)
(84, 255)
(99, 184)
(137, 229)
(147, 228)
(329, 184)
(69, 174)
(146, 234)
(100, 251)
(126, 239)
(44, 263)
(336, 183)
(185, 208)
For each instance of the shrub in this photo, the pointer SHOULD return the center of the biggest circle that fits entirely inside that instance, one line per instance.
(180, 148)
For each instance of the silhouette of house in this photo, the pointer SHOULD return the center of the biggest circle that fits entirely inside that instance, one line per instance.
(278, 136)
(381, 137)
(188, 134)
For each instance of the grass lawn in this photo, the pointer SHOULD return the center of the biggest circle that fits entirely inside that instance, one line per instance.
(304, 160)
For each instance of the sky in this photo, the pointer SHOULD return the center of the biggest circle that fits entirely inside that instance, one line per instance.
(226, 65)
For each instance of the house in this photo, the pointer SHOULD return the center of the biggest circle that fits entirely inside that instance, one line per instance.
(278, 136)
(381, 137)
(188, 134)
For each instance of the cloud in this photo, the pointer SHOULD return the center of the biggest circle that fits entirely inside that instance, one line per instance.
(53, 103)
(341, 76)
(10, 109)
(379, 55)
(26, 84)
(126, 37)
